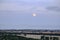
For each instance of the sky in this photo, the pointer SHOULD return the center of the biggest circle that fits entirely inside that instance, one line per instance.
(17, 14)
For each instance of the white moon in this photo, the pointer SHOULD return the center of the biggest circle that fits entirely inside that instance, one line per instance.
(33, 14)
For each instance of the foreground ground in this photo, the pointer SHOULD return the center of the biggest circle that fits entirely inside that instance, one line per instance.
(11, 37)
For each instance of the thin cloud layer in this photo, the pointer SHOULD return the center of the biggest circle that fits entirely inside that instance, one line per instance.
(20, 12)
(55, 6)
(57, 9)
(23, 8)
(31, 5)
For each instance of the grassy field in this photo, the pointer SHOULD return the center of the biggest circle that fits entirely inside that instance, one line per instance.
(11, 37)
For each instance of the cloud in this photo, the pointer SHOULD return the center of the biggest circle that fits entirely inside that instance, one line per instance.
(49, 8)
(21, 5)
(54, 8)
(23, 8)
(29, 6)
(13, 7)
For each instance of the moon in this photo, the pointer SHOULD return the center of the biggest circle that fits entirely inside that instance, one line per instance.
(34, 14)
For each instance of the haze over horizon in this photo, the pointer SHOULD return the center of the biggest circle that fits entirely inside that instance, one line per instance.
(17, 14)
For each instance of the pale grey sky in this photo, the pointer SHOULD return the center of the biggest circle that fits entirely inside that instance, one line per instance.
(17, 14)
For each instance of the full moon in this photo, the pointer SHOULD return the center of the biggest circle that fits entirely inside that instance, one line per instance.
(33, 14)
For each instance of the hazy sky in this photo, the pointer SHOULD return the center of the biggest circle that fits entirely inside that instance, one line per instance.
(17, 14)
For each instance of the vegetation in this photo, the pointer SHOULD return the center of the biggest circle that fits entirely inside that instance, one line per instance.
(14, 37)
(5, 36)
